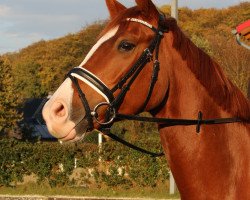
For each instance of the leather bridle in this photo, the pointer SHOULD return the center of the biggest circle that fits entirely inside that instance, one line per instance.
(113, 102)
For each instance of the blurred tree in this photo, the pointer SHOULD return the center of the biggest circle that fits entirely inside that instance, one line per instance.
(234, 59)
(9, 101)
(202, 43)
(27, 80)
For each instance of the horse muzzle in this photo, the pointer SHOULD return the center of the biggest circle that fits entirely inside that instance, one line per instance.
(59, 123)
(64, 122)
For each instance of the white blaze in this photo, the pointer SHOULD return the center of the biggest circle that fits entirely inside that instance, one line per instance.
(65, 91)
(103, 39)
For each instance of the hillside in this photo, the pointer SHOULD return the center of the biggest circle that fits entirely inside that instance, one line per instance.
(40, 67)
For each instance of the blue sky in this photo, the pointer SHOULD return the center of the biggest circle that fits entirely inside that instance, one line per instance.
(23, 22)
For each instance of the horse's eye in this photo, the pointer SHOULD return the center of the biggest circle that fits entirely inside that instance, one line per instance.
(126, 46)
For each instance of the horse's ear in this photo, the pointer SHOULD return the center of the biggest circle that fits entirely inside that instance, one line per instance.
(147, 7)
(114, 8)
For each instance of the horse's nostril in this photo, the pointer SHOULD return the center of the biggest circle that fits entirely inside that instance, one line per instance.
(59, 109)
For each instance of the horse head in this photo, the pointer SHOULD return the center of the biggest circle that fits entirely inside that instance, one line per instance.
(115, 75)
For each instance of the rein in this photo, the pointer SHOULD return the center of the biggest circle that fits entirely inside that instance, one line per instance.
(113, 103)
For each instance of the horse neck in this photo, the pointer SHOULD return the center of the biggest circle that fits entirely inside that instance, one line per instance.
(187, 94)
(209, 158)
(192, 71)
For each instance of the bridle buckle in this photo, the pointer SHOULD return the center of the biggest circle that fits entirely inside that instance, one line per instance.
(149, 55)
(111, 113)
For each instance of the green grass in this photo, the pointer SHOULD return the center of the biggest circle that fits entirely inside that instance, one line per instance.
(44, 190)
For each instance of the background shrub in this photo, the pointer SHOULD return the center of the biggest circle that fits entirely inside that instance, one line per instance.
(114, 165)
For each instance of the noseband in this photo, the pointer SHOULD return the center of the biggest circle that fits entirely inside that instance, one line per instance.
(113, 103)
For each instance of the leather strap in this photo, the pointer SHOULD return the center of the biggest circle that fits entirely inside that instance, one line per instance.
(128, 144)
(85, 103)
(167, 122)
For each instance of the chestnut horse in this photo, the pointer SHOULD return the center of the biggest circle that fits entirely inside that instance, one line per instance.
(214, 164)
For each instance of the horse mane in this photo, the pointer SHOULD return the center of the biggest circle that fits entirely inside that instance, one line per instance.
(211, 76)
